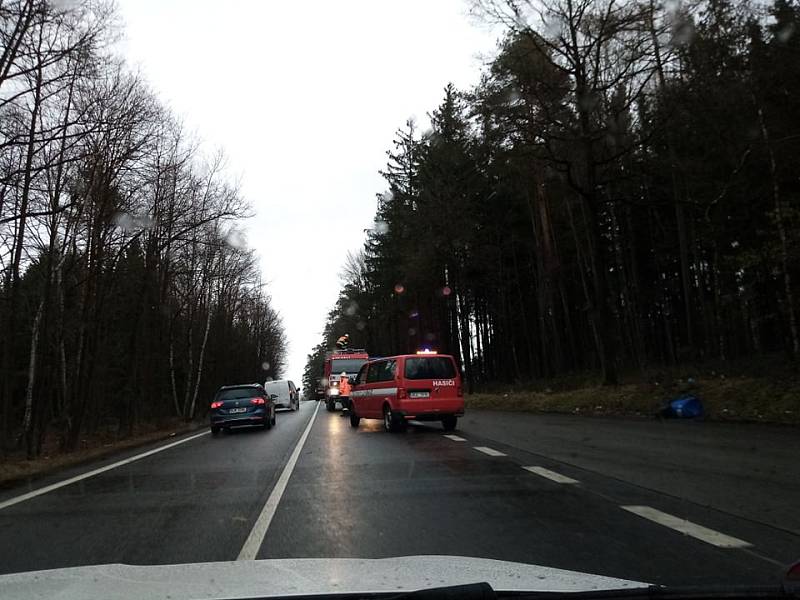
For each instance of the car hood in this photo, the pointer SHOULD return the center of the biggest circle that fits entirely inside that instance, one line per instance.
(286, 577)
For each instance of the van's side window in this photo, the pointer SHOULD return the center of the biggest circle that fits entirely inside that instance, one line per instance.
(374, 372)
(362, 375)
(388, 371)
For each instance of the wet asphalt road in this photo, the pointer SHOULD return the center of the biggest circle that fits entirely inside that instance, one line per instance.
(367, 493)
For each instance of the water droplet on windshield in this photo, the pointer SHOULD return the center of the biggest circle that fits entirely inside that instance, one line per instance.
(235, 238)
(553, 27)
(265, 366)
(785, 33)
(351, 309)
(399, 288)
(682, 32)
(132, 223)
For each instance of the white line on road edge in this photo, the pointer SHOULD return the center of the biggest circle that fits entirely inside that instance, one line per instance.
(455, 438)
(551, 475)
(82, 476)
(699, 532)
(259, 531)
(489, 451)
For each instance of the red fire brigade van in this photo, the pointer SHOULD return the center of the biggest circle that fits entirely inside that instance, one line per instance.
(423, 387)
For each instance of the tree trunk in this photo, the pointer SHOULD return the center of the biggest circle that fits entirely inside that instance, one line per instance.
(200, 357)
(680, 219)
(27, 419)
(784, 247)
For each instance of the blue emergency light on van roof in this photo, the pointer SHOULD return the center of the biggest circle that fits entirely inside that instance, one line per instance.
(426, 351)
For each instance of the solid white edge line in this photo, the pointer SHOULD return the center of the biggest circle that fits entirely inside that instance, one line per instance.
(489, 451)
(92, 473)
(551, 475)
(704, 534)
(253, 542)
(455, 438)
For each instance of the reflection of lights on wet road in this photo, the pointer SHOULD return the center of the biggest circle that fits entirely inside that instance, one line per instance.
(337, 427)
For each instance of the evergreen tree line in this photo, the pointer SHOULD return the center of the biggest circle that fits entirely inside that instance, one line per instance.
(127, 291)
(619, 191)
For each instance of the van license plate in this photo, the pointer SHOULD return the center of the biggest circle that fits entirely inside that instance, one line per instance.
(419, 394)
(237, 410)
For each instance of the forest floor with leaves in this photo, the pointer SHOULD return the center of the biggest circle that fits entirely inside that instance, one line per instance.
(15, 467)
(766, 390)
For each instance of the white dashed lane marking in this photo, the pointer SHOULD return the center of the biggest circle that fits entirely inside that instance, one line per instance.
(489, 451)
(551, 475)
(455, 438)
(715, 538)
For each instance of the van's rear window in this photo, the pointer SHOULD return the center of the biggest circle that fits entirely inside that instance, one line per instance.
(430, 367)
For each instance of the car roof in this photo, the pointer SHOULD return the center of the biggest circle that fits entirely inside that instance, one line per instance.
(240, 385)
(409, 356)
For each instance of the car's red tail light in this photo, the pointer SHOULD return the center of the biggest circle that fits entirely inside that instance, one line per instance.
(402, 394)
(216, 404)
(258, 401)
(793, 574)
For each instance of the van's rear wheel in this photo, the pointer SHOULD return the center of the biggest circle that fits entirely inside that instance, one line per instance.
(391, 422)
(449, 422)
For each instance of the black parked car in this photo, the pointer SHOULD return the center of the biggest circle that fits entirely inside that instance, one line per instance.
(246, 405)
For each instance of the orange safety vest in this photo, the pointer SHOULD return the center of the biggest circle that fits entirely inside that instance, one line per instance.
(344, 387)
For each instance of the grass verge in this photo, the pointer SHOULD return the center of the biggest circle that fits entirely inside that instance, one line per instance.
(17, 468)
(773, 396)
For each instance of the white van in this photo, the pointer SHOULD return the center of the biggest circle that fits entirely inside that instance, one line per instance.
(288, 395)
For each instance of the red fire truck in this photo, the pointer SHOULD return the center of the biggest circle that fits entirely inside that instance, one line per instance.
(347, 361)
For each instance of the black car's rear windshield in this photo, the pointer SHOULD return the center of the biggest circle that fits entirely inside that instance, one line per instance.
(430, 367)
(236, 393)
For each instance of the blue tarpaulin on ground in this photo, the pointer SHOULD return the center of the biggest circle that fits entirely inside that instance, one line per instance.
(685, 407)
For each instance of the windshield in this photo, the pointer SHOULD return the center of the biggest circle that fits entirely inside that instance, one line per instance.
(430, 368)
(346, 365)
(239, 393)
(275, 387)
(566, 233)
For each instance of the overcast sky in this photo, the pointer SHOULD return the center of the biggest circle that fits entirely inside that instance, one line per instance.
(304, 98)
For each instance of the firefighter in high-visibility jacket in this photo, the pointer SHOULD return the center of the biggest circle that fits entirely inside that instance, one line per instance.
(343, 342)
(344, 391)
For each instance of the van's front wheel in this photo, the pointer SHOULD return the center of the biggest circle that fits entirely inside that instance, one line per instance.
(449, 422)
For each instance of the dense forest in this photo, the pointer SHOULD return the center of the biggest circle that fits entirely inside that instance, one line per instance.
(127, 292)
(620, 191)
